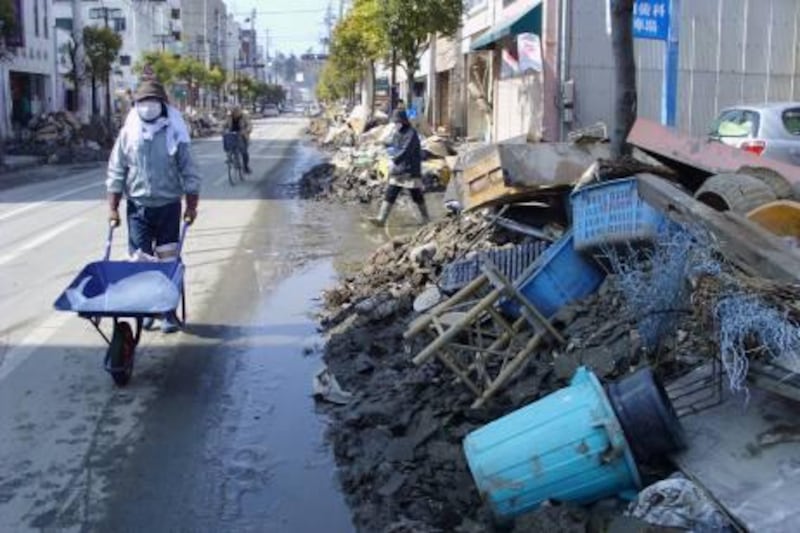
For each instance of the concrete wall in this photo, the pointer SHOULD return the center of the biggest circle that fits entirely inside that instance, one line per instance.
(731, 52)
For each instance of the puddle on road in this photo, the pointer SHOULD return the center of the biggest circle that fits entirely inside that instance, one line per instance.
(274, 422)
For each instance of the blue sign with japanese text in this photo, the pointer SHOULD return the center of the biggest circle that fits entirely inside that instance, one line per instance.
(651, 19)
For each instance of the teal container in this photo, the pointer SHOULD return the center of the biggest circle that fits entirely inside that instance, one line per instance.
(568, 447)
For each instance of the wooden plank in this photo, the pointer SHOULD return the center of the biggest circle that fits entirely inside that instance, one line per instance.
(751, 248)
(451, 333)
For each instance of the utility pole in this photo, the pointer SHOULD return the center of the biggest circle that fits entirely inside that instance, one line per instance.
(207, 49)
(77, 37)
(253, 44)
(267, 67)
(329, 22)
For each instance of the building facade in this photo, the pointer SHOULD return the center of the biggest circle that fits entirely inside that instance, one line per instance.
(731, 52)
(143, 27)
(27, 75)
(204, 30)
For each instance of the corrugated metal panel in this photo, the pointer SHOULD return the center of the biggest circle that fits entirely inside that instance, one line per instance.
(732, 52)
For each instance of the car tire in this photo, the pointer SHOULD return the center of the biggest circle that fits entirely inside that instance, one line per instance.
(774, 180)
(739, 193)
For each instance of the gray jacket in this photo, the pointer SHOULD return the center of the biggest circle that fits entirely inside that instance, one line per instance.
(145, 172)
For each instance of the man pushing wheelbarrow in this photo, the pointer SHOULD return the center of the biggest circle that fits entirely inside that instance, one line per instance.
(151, 166)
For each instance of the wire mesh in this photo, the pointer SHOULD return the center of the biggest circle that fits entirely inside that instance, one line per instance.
(654, 280)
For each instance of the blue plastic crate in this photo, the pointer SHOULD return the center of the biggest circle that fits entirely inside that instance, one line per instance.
(613, 213)
(559, 277)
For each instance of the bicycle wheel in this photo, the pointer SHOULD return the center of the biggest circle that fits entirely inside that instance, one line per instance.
(241, 168)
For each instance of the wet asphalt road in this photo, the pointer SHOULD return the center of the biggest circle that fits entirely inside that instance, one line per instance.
(217, 431)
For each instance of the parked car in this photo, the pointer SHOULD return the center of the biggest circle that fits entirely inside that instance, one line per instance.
(771, 130)
(271, 111)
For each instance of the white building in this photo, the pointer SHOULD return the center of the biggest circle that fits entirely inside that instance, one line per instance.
(26, 81)
(230, 44)
(143, 26)
(204, 24)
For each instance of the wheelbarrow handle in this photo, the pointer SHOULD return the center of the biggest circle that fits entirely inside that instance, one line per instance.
(111, 227)
(184, 231)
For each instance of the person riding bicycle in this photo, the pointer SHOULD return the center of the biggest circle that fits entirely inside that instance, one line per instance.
(239, 122)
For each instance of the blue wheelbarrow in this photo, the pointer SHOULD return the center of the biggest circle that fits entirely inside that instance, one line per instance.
(125, 292)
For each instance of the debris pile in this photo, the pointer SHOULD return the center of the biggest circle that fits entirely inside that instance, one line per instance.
(675, 298)
(60, 138)
(357, 145)
(398, 442)
(204, 124)
(401, 269)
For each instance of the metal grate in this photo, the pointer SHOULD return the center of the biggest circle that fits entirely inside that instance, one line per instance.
(512, 262)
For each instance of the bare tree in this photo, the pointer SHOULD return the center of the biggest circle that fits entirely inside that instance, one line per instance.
(625, 106)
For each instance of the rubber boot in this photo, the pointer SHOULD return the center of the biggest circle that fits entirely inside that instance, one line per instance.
(383, 214)
(423, 213)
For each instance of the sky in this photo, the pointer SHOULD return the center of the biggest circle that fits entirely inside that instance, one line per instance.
(294, 25)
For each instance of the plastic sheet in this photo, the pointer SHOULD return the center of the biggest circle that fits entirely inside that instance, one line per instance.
(144, 292)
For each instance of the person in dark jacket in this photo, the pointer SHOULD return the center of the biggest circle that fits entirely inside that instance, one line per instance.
(405, 169)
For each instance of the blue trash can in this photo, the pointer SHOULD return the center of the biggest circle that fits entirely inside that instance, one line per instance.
(568, 446)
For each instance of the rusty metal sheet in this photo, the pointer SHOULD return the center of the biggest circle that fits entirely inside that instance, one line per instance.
(709, 156)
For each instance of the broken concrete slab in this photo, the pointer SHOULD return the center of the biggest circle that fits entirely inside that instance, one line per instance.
(741, 453)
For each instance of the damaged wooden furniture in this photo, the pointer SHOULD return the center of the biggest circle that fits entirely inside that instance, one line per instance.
(482, 347)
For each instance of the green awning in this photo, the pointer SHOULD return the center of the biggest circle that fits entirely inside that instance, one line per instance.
(528, 22)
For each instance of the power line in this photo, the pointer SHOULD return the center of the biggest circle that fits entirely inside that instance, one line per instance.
(281, 12)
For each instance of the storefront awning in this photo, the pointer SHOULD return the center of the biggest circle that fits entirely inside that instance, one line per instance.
(528, 22)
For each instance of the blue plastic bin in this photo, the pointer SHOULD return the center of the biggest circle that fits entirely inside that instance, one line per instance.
(559, 277)
(613, 213)
(568, 446)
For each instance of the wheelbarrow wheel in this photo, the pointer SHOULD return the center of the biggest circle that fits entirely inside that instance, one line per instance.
(119, 359)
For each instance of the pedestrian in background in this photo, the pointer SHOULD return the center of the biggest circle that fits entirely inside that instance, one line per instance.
(405, 170)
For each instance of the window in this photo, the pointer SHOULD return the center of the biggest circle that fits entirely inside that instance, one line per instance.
(36, 17)
(791, 120)
(736, 123)
(46, 21)
(119, 25)
(125, 61)
(471, 6)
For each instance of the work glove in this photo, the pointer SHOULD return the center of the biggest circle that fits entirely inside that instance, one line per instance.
(113, 209)
(190, 214)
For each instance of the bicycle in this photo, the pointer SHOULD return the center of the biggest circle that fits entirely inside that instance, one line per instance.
(232, 144)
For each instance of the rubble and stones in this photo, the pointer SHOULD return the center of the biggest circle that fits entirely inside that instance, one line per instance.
(58, 138)
(398, 443)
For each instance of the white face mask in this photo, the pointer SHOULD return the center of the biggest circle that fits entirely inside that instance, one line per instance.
(149, 110)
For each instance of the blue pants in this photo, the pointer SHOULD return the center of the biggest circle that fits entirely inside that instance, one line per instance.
(150, 227)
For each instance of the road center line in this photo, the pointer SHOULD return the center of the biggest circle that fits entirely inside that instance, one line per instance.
(40, 240)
